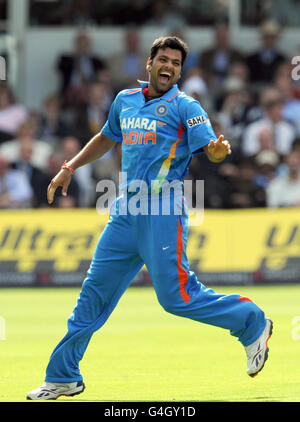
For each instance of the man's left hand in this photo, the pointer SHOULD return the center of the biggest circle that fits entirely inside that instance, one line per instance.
(218, 150)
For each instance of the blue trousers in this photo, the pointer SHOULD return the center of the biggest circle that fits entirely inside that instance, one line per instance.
(125, 245)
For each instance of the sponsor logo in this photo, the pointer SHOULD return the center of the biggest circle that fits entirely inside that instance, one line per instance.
(126, 108)
(132, 136)
(198, 120)
(138, 123)
(139, 138)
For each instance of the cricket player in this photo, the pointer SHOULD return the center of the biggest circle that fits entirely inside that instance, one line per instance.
(160, 129)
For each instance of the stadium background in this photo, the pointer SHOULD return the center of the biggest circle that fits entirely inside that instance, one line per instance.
(49, 108)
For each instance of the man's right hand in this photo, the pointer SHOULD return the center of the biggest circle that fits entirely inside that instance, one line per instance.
(62, 179)
(94, 149)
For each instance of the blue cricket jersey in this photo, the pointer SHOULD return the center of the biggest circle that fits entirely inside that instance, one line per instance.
(160, 136)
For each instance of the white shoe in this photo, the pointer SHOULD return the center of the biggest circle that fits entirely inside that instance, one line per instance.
(51, 390)
(257, 352)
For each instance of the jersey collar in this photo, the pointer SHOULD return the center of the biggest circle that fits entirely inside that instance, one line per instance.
(167, 95)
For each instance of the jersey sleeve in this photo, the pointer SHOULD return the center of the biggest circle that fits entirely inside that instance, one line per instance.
(196, 124)
(112, 128)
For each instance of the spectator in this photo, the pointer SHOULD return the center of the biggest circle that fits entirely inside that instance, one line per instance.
(282, 169)
(284, 191)
(242, 190)
(15, 191)
(104, 77)
(291, 106)
(267, 163)
(239, 70)
(195, 86)
(41, 150)
(271, 131)
(215, 61)
(264, 62)
(52, 126)
(90, 117)
(83, 175)
(37, 179)
(128, 65)
(12, 114)
(234, 104)
(77, 70)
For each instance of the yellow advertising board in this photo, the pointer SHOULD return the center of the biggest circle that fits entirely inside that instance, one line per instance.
(259, 242)
(62, 236)
(244, 240)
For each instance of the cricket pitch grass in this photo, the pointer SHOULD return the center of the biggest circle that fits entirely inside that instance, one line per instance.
(144, 354)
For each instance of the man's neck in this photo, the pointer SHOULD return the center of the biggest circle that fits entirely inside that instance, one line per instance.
(150, 96)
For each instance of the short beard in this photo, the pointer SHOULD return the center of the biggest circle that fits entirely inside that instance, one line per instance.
(160, 91)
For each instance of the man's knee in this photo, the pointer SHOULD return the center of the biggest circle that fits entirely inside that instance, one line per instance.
(172, 304)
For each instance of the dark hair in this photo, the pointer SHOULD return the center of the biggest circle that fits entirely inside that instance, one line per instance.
(169, 42)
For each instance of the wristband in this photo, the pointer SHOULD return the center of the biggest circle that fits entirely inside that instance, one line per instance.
(65, 167)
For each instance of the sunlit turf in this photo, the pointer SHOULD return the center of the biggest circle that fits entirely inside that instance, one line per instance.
(144, 354)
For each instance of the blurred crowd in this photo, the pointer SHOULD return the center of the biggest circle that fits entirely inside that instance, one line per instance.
(157, 12)
(124, 12)
(252, 99)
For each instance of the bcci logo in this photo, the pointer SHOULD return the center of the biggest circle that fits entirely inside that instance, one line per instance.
(161, 110)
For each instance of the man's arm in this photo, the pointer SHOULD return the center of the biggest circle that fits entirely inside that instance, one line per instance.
(94, 149)
(216, 151)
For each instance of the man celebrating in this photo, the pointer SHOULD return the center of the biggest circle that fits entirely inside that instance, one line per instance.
(160, 129)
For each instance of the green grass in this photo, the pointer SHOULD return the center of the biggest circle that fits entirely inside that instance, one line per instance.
(144, 354)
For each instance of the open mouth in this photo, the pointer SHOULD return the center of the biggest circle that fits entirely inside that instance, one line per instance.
(164, 77)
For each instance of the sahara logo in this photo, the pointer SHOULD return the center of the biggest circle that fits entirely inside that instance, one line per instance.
(134, 136)
(198, 120)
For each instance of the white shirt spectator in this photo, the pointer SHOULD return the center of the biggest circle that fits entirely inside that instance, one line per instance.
(40, 155)
(194, 85)
(16, 186)
(283, 135)
(291, 113)
(283, 192)
(12, 117)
